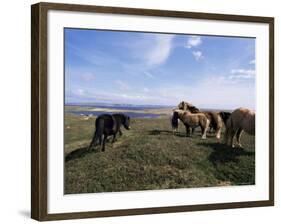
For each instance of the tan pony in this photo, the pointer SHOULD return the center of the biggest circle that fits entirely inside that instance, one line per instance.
(215, 119)
(240, 120)
(191, 120)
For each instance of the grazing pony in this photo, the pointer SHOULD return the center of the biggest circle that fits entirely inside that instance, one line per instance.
(214, 118)
(240, 120)
(107, 125)
(191, 120)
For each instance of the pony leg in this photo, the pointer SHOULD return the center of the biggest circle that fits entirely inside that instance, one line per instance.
(187, 131)
(114, 138)
(103, 143)
(175, 131)
(202, 129)
(204, 136)
(238, 136)
(232, 138)
(229, 137)
(100, 139)
(193, 130)
(218, 133)
(93, 141)
(226, 136)
(91, 144)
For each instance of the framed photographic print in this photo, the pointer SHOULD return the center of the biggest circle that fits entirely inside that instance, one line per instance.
(140, 111)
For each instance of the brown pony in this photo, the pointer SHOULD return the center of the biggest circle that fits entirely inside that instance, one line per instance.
(240, 120)
(191, 120)
(216, 122)
(215, 119)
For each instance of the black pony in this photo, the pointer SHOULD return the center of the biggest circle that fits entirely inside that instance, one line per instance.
(107, 125)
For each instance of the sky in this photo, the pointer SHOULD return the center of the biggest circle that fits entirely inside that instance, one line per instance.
(159, 69)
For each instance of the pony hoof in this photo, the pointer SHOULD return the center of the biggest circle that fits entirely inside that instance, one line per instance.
(204, 138)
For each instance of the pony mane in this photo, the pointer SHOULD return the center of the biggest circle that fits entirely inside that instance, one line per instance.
(188, 106)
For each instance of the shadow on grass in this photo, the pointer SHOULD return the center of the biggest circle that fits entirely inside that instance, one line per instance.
(159, 132)
(79, 153)
(223, 153)
(232, 165)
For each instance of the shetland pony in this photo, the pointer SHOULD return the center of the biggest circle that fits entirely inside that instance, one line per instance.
(240, 120)
(191, 120)
(106, 125)
(214, 118)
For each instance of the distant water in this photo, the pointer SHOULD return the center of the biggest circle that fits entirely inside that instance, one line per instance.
(130, 114)
(122, 106)
(128, 108)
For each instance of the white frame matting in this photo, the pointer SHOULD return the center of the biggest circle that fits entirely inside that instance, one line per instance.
(60, 203)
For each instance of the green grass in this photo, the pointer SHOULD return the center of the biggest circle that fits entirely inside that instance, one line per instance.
(149, 157)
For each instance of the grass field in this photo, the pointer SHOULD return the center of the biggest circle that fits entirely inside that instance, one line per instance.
(150, 157)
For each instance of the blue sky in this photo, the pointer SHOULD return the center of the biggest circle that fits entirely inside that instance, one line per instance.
(159, 69)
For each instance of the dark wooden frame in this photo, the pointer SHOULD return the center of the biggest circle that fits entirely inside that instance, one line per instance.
(39, 110)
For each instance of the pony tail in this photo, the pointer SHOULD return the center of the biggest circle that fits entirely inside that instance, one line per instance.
(228, 129)
(174, 120)
(99, 131)
(208, 122)
(214, 121)
(97, 134)
(229, 123)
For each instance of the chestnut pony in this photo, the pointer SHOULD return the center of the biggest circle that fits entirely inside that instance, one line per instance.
(240, 120)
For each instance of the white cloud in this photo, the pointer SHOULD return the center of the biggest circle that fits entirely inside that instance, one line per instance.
(198, 55)
(145, 90)
(93, 56)
(148, 74)
(87, 77)
(193, 41)
(122, 85)
(211, 92)
(240, 76)
(80, 92)
(242, 73)
(252, 62)
(159, 50)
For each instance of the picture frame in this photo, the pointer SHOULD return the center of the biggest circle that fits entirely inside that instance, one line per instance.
(40, 109)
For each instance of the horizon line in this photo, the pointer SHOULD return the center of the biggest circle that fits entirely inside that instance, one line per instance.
(150, 105)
